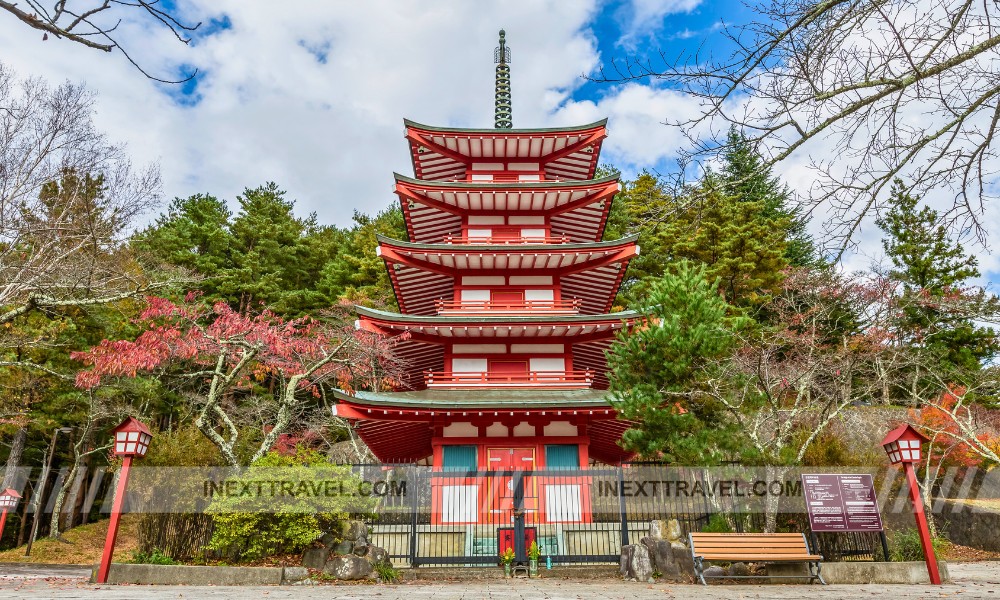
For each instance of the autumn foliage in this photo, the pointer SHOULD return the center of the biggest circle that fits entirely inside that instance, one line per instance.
(272, 364)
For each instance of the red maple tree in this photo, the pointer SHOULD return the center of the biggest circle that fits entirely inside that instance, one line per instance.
(234, 356)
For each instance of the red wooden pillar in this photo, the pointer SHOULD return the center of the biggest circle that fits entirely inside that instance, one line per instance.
(116, 513)
(921, 516)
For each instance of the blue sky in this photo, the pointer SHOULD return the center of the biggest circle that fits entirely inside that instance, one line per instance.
(312, 96)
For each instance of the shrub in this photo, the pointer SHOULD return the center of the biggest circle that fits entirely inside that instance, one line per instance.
(154, 557)
(386, 572)
(717, 523)
(904, 545)
(252, 527)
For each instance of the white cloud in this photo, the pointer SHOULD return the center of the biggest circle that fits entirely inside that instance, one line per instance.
(329, 132)
(643, 18)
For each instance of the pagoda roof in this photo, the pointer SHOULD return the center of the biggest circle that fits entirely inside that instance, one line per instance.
(577, 209)
(422, 348)
(424, 273)
(458, 400)
(566, 324)
(399, 426)
(562, 152)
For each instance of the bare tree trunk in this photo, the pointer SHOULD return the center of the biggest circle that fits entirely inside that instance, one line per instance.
(14, 458)
(771, 501)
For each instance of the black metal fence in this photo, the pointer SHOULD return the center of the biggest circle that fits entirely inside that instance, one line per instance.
(573, 515)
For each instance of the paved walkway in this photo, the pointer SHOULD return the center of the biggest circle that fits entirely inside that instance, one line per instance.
(972, 580)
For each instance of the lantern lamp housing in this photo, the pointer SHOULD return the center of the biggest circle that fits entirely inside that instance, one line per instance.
(8, 499)
(903, 444)
(132, 438)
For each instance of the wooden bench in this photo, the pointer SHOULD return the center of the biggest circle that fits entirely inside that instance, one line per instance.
(753, 547)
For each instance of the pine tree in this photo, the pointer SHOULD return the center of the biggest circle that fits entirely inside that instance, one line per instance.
(193, 234)
(741, 251)
(657, 368)
(745, 177)
(933, 271)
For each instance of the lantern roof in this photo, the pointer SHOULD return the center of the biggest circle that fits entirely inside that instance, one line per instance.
(904, 432)
(10, 493)
(133, 424)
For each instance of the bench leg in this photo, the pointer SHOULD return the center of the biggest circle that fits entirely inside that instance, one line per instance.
(814, 572)
(699, 569)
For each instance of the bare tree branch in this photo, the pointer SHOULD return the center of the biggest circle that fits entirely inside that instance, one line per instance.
(86, 22)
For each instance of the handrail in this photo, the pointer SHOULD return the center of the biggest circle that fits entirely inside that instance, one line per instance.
(526, 379)
(461, 306)
(520, 240)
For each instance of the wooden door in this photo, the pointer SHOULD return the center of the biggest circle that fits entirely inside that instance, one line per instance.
(502, 486)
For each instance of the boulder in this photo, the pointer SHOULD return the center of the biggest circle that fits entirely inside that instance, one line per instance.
(626, 560)
(360, 548)
(684, 562)
(739, 569)
(315, 558)
(348, 568)
(635, 564)
(376, 555)
(656, 529)
(294, 574)
(344, 547)
(355, 530)
(674, 534)
(661, 556)
(329, 540)
(714, 571)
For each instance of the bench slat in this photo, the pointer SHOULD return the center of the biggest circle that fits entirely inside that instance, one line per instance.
(760, 557)
(698, 534)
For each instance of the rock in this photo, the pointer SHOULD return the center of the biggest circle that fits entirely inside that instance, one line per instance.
(355, 530)
(684, 562)
(329, 540)
(656, 529)
(635, 564)
(626, 560)
(295, 574)
(376, 555)
(315, 558)
(714, 571)
(348, 568)
(345, 547)
(674, 534)
(739, 569)
(661, 556)
(360, 548)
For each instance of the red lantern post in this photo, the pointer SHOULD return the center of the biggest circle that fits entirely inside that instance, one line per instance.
(902, 444)
(8, 500)
(132, 438)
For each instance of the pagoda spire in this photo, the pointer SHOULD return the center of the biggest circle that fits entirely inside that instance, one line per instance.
(501, 56)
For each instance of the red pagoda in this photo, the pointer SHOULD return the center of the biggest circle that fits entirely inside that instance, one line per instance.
(505, 289)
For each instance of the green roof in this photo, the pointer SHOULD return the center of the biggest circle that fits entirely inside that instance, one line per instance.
(512, 248)
(481, 319)
(481, 398)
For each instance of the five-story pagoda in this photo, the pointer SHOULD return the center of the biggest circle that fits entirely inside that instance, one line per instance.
(504, 290)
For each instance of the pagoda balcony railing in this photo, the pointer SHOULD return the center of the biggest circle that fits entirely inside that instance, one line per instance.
(530, 379)
(454, 307)
(505, 240)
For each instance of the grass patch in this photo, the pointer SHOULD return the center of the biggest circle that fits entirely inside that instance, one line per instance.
(80, 546)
